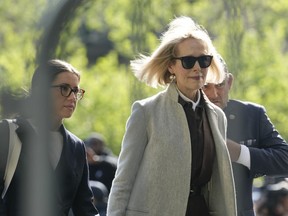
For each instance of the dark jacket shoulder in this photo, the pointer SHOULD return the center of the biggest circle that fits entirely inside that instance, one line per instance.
(237, 105)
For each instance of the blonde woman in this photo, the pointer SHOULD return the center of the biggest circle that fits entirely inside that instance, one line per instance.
(174, 160)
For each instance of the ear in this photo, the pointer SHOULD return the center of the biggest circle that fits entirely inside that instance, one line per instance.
(230, 80)
(170, 67)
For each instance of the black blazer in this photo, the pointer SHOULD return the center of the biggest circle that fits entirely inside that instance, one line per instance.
(249, 124)
(70, 178)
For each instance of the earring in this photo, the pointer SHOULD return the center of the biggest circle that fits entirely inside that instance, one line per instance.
(172, 77)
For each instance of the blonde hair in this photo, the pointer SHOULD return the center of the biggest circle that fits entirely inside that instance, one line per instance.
(153, 70)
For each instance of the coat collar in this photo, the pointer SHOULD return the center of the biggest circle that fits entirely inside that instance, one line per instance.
(173, 95)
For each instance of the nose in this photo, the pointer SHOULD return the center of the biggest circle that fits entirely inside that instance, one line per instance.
(197, 66)
(73, 95)
(211, 92)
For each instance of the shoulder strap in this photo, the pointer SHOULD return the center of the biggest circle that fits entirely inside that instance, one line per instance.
(13, 155)
(4, 146)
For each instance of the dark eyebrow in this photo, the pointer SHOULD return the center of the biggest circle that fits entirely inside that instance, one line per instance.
(62, 84)
(67, 85)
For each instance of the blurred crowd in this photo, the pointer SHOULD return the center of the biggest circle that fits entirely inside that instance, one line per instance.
(102, 167)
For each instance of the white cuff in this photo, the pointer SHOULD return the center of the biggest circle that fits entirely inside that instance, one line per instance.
(244, 157)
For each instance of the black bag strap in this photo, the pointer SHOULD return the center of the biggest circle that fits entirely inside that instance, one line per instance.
(4, 149)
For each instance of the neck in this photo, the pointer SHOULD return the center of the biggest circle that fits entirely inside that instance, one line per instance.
(192, 95)
(55, 125)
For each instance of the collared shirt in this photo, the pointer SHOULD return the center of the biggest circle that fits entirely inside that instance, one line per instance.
(194, 114)
(244, 157)
(194, 104)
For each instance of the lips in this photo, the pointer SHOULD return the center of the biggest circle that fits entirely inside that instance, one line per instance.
(71, 107)
(196, 77)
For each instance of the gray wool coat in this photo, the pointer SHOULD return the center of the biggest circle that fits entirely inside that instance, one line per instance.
(154, 167)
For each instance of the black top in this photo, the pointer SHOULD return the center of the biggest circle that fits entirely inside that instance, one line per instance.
(202, 144)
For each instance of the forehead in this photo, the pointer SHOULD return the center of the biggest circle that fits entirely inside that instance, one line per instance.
(192, 46)
(66, 77)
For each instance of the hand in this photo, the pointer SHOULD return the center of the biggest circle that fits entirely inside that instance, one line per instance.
(234, 149)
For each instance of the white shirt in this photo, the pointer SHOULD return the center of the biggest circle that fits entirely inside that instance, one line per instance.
(56, 146)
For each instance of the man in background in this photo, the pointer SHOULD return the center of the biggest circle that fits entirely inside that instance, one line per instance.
(255, 146)
(102, 162)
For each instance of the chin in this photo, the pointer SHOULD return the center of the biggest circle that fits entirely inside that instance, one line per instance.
(220, 106)
(67, 115)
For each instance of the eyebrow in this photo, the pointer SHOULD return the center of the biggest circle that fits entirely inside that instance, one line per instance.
(65, 84)
(221, 83)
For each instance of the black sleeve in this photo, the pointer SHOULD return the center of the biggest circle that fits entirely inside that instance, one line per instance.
(271, 158)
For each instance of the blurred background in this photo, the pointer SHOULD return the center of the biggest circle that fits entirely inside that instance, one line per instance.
(100, 37)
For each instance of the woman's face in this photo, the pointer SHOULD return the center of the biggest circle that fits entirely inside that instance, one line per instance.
(189, 80)
(63, 107)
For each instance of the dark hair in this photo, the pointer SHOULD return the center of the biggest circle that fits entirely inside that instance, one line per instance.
(42, 78)
(49, 71)
(24, 102)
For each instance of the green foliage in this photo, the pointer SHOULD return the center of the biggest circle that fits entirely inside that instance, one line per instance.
(17, 33)
(105, 106)
(252, 36)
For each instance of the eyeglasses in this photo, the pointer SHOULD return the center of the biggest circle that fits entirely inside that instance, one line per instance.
(66, 91)
(188, 62)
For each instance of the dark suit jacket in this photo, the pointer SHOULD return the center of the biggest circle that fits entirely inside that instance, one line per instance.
(249, 124)
(70, 178)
